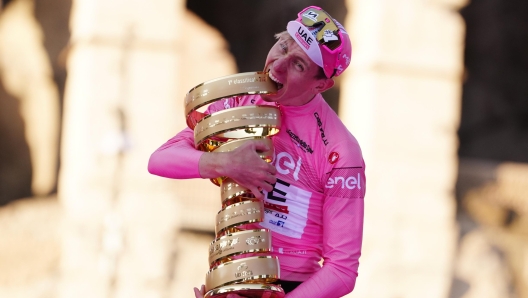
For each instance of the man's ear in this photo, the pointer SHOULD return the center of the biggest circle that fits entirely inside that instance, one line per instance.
(323, 85)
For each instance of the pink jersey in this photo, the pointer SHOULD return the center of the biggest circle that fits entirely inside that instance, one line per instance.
(316, 207)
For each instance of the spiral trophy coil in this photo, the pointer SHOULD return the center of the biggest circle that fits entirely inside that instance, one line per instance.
(239, 259)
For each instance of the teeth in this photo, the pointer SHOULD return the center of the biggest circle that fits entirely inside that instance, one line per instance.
(273, 78)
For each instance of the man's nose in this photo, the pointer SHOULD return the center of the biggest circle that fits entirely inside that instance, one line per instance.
(281, 63)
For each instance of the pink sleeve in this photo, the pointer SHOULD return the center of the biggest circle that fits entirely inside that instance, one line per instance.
(177, 158)
(343, 222)
(342, 235)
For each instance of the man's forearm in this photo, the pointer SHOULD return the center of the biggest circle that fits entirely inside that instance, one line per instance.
(326, 283)
(177, 158)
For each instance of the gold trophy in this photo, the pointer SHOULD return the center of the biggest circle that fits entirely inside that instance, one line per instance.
(239, 259)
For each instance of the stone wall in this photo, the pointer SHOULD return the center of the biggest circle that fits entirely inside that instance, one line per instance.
(128, 74)
(31, 106)
(401, 99)
(493, 220)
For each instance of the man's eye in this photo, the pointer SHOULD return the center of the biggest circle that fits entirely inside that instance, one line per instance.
(300, 66)
(283, 47)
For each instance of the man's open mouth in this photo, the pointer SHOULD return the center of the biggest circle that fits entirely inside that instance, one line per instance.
(274, 79)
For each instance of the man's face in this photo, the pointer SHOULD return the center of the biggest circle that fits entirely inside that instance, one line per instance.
(290, 67)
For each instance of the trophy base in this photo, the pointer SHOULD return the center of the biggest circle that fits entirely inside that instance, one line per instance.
(247, 290)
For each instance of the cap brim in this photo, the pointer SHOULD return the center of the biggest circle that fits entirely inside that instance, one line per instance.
(304, 38)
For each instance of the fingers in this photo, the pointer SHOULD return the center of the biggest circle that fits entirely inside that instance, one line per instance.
(260, 146)
(271, 178)
(268, 183)
(265, 177)
(265, 184)
(248, 169)
(197, 293)
(256, 192)
(272, 170)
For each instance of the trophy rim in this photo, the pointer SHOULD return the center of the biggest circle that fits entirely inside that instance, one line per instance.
(226, 258)
(273, 124)
(220, 266)
(241, 288)
(190, 104)
(225, 77)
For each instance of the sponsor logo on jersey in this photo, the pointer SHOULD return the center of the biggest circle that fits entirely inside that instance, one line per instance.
(349, 182)
(271, 195)
(285, 164)
(286, 209)
(346, 182)
(321, 129)
(334, 156)
(278, 223)
(275, 207)
(300, 143)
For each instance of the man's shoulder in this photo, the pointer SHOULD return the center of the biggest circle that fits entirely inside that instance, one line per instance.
(342, 145)
(333, 128)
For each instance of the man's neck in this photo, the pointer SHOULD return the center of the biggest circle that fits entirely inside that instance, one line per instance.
(300, 102)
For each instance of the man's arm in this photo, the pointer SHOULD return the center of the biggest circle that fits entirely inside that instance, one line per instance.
(343, 210)
(178, 159)
(342, 238)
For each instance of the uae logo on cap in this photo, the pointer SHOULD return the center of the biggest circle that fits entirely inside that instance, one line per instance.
(304, 37)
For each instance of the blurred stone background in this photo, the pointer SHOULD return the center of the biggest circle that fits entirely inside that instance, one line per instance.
(436, 95)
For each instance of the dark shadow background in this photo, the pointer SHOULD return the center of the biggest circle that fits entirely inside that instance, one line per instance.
(494, 122)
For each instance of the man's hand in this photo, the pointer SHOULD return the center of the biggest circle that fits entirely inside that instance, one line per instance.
(243, 165)
(199, 293)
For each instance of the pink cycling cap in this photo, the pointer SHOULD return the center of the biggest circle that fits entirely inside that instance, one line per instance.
(323, 39)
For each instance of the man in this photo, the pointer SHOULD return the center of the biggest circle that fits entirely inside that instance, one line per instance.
(316, 182)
